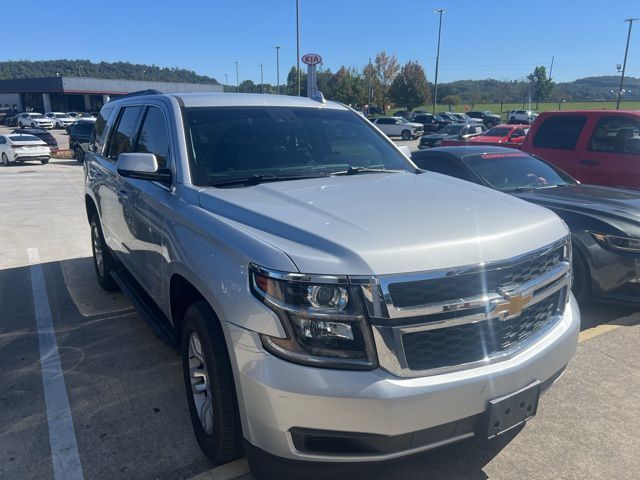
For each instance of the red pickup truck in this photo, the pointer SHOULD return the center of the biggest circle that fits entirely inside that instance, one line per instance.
(595, 146)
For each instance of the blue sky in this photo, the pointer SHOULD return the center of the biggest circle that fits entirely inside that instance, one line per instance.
(481, 39)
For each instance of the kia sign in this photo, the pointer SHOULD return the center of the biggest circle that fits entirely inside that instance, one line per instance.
(311, 59)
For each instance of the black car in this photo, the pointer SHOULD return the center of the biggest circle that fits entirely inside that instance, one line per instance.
(489, 119)
(42, 134)
(79, 138)
(431, 123)
(453, 131)
(450, 116)
(11, 120)
(404, 114)
(604, 221)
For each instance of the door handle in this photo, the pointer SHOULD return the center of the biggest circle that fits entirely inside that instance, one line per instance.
(123, 195)
(590, 163)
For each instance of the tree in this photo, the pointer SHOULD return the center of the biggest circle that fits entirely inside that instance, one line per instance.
(292, 83)
(386, 68)
(410, 87)
(347, 86)
(541, 86)
(451, 100)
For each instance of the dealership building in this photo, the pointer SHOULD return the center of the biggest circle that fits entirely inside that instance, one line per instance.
(70, 94)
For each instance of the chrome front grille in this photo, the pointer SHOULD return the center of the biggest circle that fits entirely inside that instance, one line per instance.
(429, 291)
(433, 322)
(472, 342)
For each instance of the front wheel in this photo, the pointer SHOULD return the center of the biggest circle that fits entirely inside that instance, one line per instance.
(103, 260)
(208, 380)
(78, 154)
(406, 135)
(581, 278)
(44, 161)
(5, 160)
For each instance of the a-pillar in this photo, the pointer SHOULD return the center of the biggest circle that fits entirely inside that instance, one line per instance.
(46, 102)
(87, 103)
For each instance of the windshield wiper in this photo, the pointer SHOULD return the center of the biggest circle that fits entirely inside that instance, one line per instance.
(255, 179)
(357, 170)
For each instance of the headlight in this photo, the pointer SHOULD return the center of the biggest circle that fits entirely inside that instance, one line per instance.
(323, 318)
(626, 244)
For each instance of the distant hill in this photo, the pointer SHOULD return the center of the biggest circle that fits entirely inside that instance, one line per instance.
(85, 68)
(583, 89)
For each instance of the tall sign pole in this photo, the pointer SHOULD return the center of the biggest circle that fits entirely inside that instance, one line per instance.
(312, 60)
(624, 64)
(435, 87)
(277, 69)
(298, 41)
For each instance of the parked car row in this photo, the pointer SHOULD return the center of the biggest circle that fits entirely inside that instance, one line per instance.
(48, 120)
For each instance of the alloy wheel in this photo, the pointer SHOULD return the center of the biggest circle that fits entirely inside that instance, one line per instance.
(200, 387)
(97, 250)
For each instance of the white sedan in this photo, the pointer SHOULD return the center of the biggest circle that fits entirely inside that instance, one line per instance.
(20, 148)
(59, 119)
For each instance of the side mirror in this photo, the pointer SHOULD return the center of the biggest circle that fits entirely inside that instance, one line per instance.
(142, 166)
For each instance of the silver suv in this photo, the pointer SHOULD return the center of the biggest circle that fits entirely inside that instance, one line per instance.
(331, 302)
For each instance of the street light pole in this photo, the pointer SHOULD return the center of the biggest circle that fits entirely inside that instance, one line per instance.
(435, 87)
(237, 78)
(226, 80)
(277, 69)
(370, 86)
(261, 78)
(298, 41)
(624, 63)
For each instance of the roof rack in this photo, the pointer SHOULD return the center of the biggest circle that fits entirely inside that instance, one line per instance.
(139, 93)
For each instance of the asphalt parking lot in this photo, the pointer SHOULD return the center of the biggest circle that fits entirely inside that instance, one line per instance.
(124, 389)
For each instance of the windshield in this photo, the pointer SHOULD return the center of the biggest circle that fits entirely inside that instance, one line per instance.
(515, 171)
(497, 132)
(451, 129)
(239, 142)
(402, 119)
(36, 115)
(59, 115)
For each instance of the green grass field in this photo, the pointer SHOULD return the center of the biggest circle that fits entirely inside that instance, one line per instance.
(544, 107)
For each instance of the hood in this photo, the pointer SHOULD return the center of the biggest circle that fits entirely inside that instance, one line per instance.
(375, 224)
(607, 204)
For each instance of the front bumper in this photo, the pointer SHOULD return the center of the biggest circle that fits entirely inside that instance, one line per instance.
(279, 400)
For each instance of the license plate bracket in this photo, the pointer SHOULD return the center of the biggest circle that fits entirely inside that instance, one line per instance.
(511, 410)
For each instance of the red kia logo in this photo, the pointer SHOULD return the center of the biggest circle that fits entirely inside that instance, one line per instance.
(311, 59)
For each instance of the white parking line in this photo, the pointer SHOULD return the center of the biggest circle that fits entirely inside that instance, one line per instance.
(62, 438)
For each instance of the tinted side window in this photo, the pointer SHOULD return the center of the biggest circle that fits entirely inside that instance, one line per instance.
(3, 140)
(99, 131)
(83, 129)
(386, 121)
(154, 137)
(444, 165)
(560, 132)
(124, 136)
(616, 133)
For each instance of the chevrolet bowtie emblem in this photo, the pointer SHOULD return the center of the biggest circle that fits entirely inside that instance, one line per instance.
(512, 303)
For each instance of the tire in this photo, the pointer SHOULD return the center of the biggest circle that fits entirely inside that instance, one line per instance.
(20, 125)
(44, 161)
(78, 153)
(581, 277)
(103, 260)
(490, 125)
(406, 135)
(208, 380)
(58, 125)
(5, 160)
(33, 125)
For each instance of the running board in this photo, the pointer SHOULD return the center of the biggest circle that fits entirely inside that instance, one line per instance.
(146, 308)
